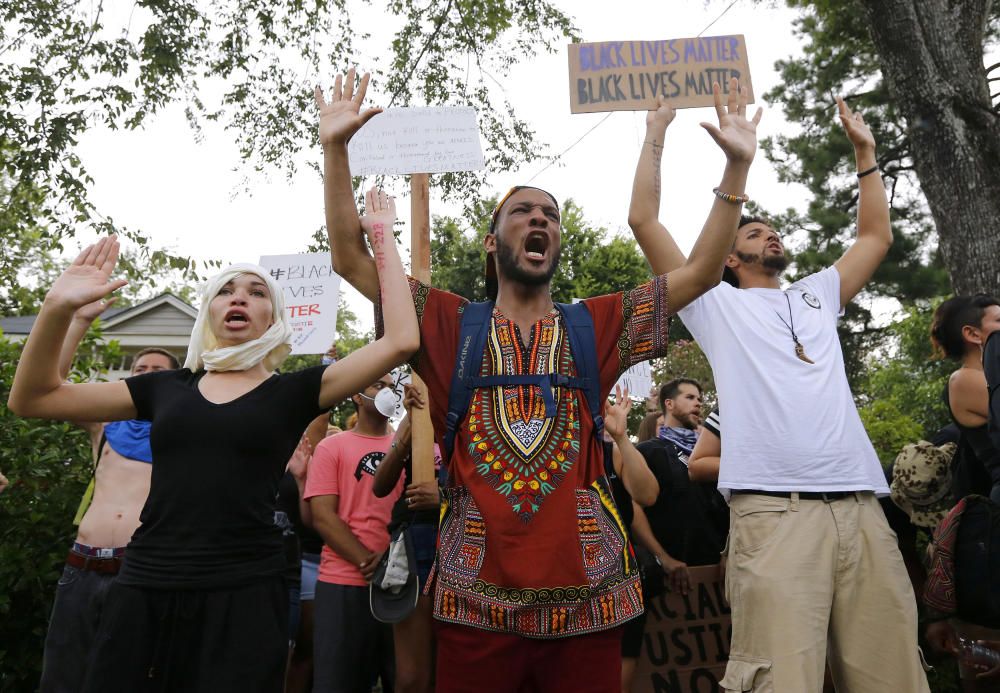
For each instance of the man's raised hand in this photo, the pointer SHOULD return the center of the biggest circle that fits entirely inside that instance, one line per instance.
(88, 279)
(736, 135)
(341, 117)
(854, 124)
(616, 415)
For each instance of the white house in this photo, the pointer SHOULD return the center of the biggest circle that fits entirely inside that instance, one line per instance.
(165, 321)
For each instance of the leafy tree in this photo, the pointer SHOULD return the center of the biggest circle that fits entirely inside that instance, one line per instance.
(593, 261)
(49, 464)
(247, 64)
(896, 63)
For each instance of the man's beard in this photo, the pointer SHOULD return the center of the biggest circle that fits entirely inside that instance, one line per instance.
(508, 268)
(777, 263)
(689, 421)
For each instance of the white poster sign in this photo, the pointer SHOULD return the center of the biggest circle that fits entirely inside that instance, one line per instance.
(638, 379)
(417, 140)
(312, 293)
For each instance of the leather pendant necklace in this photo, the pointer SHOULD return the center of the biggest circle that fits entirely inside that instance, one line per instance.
(800, 351)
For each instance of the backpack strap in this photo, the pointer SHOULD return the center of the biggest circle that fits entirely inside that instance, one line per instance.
(474, 328)
(465, 378)
(583, 346)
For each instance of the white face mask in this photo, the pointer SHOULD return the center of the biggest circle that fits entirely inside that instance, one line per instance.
(385, 401)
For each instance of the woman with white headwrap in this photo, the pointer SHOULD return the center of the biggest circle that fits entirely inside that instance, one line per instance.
(200, 602)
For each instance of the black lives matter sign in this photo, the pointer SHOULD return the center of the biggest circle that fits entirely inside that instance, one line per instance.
(685, 646)
(630, 75)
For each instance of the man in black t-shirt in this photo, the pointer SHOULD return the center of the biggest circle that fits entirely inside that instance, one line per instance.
(689, 520)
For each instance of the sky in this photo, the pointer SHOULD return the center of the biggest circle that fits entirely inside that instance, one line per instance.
(188, 195)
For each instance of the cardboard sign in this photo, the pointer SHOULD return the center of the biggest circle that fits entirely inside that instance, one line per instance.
(312, 292)
(686, 643)
(417, 140)
(629, 75)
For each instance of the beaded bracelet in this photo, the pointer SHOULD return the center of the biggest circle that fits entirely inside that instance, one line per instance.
(864, 173)
(729, 197)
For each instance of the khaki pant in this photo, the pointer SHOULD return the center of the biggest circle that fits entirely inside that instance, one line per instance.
(808, 578)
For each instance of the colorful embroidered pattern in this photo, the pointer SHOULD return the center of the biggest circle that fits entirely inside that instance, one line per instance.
(521, 453)
(613, 593)
(544, 613)
(462, 540)
(644, 311)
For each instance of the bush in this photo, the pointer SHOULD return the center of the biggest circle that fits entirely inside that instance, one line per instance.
(49, 464)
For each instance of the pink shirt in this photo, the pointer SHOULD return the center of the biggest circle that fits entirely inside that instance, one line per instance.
(344, 465)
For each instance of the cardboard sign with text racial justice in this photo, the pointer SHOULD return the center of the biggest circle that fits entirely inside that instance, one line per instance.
(629, 75)
(686, 642)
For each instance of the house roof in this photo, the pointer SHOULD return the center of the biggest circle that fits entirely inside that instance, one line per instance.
(116, 320)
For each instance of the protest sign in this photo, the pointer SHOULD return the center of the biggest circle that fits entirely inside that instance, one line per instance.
(638, 380)
(629, 75)
(312, 292)
(686, 643)
(417, 140)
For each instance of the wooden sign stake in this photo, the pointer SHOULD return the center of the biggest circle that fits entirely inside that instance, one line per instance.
(422, 435)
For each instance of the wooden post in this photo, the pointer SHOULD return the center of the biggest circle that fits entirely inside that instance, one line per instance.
(420, 268)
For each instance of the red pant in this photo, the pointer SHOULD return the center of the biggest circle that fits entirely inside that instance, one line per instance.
(470, 660)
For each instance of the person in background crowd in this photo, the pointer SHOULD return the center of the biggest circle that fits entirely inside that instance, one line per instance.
(959, 330)
(633, 486)
(108, 515)
(352, 649)
(419, 507)
(304, 547)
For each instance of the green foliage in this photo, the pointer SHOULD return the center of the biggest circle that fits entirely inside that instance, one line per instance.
(901, 401)
(593, 262)
(247, 64)
(49, 464)
(839, 58)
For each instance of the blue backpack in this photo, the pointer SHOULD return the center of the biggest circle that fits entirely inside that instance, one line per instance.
(465, 377)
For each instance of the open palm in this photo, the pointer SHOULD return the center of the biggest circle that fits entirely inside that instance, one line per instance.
(341, 117)
(88, 279)
(855, 126)
(735, 135)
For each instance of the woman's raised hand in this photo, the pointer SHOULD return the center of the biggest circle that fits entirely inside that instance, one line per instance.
(88, 279)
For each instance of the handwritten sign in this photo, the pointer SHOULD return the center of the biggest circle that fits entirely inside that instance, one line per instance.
(312, 292)
(638, 379)
(629, 75)
(686, 643)
(417, 140)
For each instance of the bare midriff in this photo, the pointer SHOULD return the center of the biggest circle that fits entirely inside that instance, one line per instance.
(120, 491)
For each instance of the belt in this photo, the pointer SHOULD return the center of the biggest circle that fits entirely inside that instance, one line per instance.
(98, 565)
(803, 495)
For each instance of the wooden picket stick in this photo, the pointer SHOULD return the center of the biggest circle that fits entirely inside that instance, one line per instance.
(422, 433)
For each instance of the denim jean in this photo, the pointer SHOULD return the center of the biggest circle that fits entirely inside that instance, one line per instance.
(80, 600)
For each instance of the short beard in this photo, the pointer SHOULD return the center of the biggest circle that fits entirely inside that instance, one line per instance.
(508, 268)
(775, 263)
(689, 421)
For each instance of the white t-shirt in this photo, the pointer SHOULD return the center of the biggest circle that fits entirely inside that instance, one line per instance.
(790, 425)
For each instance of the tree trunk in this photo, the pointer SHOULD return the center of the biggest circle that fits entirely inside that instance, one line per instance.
(931, 54)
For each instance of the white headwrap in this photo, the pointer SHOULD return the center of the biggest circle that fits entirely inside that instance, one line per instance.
(272, 347)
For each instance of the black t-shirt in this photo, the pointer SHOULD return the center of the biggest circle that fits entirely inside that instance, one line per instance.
(623, 499)
(209, 519)
(288, 501)
(690, 520)
(401, 511)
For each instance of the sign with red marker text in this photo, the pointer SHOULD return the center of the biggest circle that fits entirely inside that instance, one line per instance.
(686, 643)
(312, 293)
(629, 75)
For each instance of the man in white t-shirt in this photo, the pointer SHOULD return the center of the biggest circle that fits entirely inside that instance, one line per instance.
(813, 568)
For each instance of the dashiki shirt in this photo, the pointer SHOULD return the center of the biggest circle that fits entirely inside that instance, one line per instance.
(530, 540)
